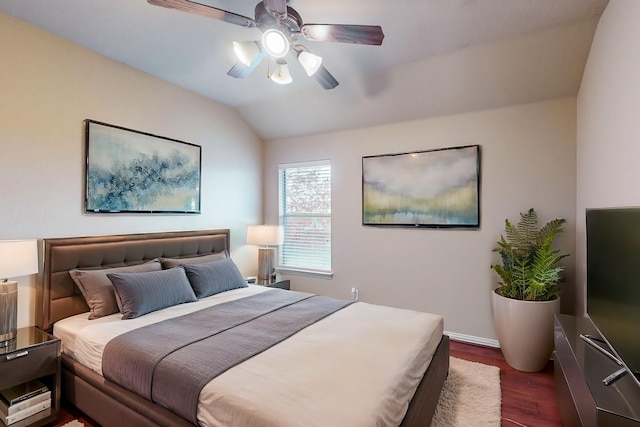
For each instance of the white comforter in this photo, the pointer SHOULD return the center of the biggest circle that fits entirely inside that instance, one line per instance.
(358, 367)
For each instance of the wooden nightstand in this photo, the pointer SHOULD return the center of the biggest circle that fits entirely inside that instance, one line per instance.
(281, 284)
(34, 355)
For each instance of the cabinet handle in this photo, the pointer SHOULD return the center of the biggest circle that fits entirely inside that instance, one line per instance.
(17, 355)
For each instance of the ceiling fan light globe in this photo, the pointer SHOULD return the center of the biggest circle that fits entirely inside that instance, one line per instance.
(310, 62)
(246, 52)
(275, 42)
(281, 74)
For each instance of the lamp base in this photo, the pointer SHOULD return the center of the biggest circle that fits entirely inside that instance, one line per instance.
(265, 265)
(8, 312)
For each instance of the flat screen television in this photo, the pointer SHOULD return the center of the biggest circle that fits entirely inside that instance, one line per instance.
(613, 281)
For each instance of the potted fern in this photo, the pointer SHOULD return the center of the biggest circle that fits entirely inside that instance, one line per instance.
(528, 296)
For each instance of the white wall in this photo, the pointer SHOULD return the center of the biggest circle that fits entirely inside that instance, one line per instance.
(534, 67)
(48, 87)
(528, 160)
(608, 129)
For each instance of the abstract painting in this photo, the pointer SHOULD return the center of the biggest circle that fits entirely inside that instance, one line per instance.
(132, 171)
(436, 188)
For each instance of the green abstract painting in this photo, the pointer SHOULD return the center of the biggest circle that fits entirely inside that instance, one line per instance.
(436, 188)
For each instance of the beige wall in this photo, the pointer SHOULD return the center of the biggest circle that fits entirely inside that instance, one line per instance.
(48, 87)
(528, 160)
(608, 129)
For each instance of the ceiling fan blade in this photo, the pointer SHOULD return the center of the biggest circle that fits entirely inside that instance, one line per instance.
(358, 34)
(324, 77)
(242, 71)
(279, 7)
(204, 10)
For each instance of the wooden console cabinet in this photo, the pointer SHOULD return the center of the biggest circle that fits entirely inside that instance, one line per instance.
(579, 370)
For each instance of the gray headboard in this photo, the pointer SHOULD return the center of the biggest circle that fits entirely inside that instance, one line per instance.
(57, 296)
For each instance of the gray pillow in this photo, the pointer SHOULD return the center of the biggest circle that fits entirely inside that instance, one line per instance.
(97, 289)
(214, 277)
(174, 262)
(142, 293)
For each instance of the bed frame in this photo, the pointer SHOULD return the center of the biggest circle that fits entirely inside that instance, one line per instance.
(57, 297)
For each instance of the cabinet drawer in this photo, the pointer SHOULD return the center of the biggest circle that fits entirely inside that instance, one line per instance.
(24, 365)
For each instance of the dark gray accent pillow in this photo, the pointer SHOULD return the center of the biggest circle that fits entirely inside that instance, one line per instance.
(214, 277)
(174, 262)
(97, 289)
(142, 293)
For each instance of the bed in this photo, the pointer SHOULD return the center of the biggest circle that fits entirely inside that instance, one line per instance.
(60, 304)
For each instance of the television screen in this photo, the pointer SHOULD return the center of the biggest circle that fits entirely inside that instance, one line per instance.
(613, 280)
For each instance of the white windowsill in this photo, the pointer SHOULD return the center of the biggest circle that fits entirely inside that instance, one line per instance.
(327, 275)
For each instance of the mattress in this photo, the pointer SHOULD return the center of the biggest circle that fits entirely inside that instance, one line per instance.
(357, 367)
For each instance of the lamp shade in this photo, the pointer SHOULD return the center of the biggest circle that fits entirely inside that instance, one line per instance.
(265, 235)
(18, 258)
(281, 74)
(246, 52)
(310, 62)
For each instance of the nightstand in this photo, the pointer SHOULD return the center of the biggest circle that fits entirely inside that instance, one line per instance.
(281, 284)
(34, 355)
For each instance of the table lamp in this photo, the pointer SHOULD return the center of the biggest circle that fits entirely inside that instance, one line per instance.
(265, 236)
(17, 258)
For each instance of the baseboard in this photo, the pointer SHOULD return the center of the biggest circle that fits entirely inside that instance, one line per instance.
(473, 340)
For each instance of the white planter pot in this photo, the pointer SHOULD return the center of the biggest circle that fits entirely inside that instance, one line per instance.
(525, 331)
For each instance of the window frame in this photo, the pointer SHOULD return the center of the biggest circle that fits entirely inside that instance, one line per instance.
(301, 270)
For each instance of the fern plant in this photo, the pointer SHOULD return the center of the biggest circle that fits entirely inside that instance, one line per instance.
(530, 267)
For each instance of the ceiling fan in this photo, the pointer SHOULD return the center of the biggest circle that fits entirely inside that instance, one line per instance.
(282, 29)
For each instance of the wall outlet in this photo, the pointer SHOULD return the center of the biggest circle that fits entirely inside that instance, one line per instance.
(354, 294)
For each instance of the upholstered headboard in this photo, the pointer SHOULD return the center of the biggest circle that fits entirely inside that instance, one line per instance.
(58, 297)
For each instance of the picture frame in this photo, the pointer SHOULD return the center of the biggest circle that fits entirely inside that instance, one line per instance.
(437, 188)
(129, 171)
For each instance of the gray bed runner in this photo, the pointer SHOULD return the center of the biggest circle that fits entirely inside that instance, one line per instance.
(171, 361)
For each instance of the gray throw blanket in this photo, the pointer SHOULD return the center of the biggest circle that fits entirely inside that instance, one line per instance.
(171, 361)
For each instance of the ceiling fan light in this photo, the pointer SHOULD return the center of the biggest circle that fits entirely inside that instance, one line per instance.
(275, 42)
(310, 62)
(246, 52)
(281, 74)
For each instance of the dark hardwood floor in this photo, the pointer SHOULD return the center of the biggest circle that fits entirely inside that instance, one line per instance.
(69, 412)
(528, 399)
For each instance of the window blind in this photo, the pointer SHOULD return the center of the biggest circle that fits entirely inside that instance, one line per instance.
(305, 214)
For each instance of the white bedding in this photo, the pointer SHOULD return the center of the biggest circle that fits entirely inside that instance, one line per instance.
(358, 367)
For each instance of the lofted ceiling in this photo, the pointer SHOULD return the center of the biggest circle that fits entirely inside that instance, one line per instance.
(438, 57)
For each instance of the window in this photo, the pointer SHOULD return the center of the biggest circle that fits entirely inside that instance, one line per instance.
(305, 214)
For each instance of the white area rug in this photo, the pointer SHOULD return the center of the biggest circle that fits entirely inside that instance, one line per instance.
(74, 423)
(471, 396)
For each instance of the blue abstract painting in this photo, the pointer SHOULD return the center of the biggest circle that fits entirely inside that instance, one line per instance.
(436, 188)
(131, 171)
